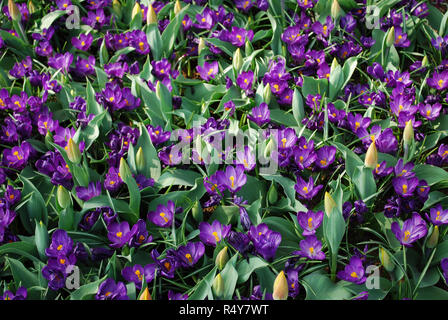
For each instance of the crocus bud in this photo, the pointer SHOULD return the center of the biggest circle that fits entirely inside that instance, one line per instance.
(390, 40)
(218, 286)
(425, 62)
(14, 11)
(116, 8)
(140, 160)
(124, 171)
(145, 295)
(136, 10)
(63, 196)
(73, 152)
(272, 194)
(334, 64)
(335, 9)
(41, 239)
(151, 16)
(267, 94)
(222, 258)
(158, 90)
(280, 287)
(197, 212)
(201, 45)
(237, 60)
(408, 134)
(177, 7)
(434, 238)
(386, 261)
(329, 204)
(248, 48)
(269, 148)
(31, 7)
(371, 159)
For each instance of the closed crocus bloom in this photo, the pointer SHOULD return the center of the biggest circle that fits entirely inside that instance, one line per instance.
(386, 261)
(63, 196)
(140, 160)
(237, 60)
(151, 15)
(73, 153)
(136, 10)
(335, 9)
(14, 11)
(124, 170)
(371, 159)
(31, 7)
(267, 94)
(177, 7)
(218, 286)
(329, 204)
(390, 37)
(222, 258)
(145, 295)
(280, 290)
(408, 134)
(116, 7)
(201, 45)
(434, 238)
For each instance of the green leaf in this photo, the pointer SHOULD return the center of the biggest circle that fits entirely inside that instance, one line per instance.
(35, 207)
(431, 174)
(154, 40)
(87, 291)
(319, 287)
(313, 86)
(153, 167)
(171, 32)
(297, 107)
(178, 177)
(93, 107)
(246, 268)
(203, 288)
(432, 293)
(21, 274)
(230, 277)
(51, 17)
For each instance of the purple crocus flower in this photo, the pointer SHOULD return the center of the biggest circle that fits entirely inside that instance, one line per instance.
(12, 196)
(437, 215)
(404, 170)
(85, 67)
(444, 267)
(190, 254)
(208, 71)
(310, 221)
(214, 233)
(119, 234)
(83, 42)
(213, 185)
(163, 216)
(111, 290)
(140, 234)
(239, 36)
(430, 112)
(157, 135)
(134, 274)
(311, 248)
(405, 187)
(260, 115)
(61, 244)
(353, 272)
(413, 229)
(325, 156)
(245, 79)
(246, 158)
(205, 20)
(89, 192)
(265, 241)
(439, 81)
(113, 181)
(307, 190)
(233, 178)
(176, 296)
(401, 38)
(61, 61)
(21, 294)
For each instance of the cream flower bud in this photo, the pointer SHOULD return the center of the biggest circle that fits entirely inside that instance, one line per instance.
(408, 134)
(136, 10)
(390, 40)
(222, 258)
(237, 60)
(63, 197)
(151, 16)
(145, 295)
(434, 238)
(73, 152)
(386, 261)
(14, 11)
(335, 9)
(329, 204)
(371, 159)
(218, 286)
(280, 291)
(140, 160)
(124, 170)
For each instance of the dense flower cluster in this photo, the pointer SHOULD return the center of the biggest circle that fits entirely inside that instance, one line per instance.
(236, 149)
